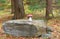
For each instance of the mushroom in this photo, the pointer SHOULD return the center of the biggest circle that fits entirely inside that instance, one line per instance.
(29, 17)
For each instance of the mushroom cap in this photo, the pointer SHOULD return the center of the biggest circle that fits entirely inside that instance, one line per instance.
(29, 15)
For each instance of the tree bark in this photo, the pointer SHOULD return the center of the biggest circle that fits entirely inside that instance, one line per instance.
(48, 8)
(12, 6)
(18, 9)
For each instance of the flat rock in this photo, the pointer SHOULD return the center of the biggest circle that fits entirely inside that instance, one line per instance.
(24, 27)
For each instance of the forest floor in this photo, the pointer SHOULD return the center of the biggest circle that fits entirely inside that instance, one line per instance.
(55, 23)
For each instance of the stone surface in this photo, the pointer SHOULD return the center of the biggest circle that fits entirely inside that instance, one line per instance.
(25, 27)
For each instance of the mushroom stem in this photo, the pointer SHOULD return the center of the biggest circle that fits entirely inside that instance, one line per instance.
(30, 18)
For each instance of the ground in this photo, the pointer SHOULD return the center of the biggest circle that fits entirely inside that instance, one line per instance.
(55, 23)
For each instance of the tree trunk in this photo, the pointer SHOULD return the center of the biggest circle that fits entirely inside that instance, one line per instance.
(12, 6)
(18, 9)
(48, 8)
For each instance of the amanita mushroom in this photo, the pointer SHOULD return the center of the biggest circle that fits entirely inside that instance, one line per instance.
(29, 17)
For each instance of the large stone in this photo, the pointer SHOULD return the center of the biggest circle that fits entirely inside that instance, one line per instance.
(25, 27)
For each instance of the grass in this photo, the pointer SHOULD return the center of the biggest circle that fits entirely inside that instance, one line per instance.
(3, 13)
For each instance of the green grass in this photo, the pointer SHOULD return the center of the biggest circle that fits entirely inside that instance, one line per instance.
(3, 12)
